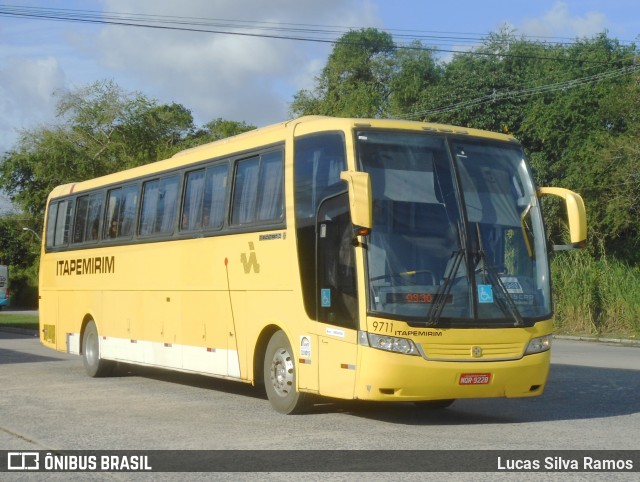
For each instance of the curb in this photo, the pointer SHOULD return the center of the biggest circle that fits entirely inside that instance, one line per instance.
(597, 339)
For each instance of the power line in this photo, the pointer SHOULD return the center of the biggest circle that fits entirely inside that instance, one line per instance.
(271, 30)
(320, 34)
(512, 95)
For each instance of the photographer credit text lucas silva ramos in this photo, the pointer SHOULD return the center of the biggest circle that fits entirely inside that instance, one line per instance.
(565, 464)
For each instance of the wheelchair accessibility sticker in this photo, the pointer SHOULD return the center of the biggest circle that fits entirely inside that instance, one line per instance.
(325, 298)
(485, 294)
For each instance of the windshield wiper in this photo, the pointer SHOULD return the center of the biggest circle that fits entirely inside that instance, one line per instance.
(504, 302)
(440, 297)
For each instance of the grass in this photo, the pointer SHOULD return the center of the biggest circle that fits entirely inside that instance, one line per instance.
(595, 297)
(27, 322)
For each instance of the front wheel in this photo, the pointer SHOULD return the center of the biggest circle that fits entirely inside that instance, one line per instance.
(93, 364)
(280, 377)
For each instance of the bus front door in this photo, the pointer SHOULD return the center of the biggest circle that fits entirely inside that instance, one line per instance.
(337, 298)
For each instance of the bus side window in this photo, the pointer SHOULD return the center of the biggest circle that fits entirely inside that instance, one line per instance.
(88, 212)
(159, 202)
(215, 195)
(93, 217)
(63, 223)
(204, 198)
(245, 191)
(258, 191)
(121, 212)
(59, 223)
(79, 227)
(191, 217)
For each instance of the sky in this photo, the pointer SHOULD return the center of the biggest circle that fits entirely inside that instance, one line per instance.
(251, 78)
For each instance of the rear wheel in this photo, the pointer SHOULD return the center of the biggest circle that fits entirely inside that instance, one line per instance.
(280, 377)
(93, 364)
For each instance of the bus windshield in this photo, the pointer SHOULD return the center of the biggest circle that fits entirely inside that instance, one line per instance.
(457, 236)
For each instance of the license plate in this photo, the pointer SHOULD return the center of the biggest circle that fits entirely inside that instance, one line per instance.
(475, 378)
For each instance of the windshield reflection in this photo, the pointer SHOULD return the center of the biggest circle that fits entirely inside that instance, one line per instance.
(457, 234)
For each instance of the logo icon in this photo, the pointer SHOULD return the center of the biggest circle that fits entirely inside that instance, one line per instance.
(251, 262)
(23, 461)
(485, 293)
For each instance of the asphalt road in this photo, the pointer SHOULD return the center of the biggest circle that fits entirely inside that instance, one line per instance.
(592, 402)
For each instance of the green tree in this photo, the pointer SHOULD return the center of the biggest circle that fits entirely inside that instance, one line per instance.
(215, 130)
(356, 80)
(415, 74)
(102, 129)
(20, 250)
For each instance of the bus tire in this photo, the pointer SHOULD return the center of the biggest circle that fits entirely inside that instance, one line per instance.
(93, 364)
(280, 377)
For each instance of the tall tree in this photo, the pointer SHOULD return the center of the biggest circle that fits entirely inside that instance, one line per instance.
(355, 81)
(414, 76)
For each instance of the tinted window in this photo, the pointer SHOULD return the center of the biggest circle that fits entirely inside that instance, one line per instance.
(204, 199)
(258, 190)
(121, 212)
(59, 223)
(88, 211)
(159, 202)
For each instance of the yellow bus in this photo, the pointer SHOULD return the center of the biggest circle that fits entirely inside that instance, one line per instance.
(361, 259)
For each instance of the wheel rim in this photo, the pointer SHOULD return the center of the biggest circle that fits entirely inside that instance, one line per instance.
(281, 372)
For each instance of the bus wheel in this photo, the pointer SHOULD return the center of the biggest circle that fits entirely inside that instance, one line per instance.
(280, 377)
(94, 366)
(434, 404)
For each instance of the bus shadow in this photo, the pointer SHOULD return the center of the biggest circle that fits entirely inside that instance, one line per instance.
(191, 380)
(572, 393)
(12, 356)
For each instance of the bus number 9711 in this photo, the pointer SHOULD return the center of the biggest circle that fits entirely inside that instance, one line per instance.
(383, 326)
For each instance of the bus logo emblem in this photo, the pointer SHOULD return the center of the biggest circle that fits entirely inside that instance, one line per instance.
(476, 352)
(250, 262)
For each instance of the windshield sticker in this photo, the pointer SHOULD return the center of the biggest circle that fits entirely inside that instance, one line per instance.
(325, 298)
(485, 294)
(512, 284)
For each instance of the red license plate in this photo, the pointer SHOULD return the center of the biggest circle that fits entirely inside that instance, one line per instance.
(475, 378)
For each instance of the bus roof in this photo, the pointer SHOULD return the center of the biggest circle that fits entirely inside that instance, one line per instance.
(264, 136)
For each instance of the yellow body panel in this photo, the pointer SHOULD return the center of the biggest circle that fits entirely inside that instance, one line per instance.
(208, 304)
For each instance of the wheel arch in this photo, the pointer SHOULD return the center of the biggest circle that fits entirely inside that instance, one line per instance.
(85, 321)
(261, 349)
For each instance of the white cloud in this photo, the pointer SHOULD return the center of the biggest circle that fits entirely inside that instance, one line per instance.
(26, 85)
(236, 77)
(241, 78)
(559, 22)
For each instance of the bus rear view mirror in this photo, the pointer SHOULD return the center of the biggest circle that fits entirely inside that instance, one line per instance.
(359, 198)
(576, 216)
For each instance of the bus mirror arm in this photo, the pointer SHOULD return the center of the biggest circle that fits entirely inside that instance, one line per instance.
(576, 216)
(357, 232)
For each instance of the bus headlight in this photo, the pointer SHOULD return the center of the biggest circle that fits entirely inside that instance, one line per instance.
(538, 345)
(388, 343)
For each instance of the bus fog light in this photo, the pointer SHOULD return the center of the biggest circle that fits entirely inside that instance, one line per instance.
(538, 345)
(393, 344)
